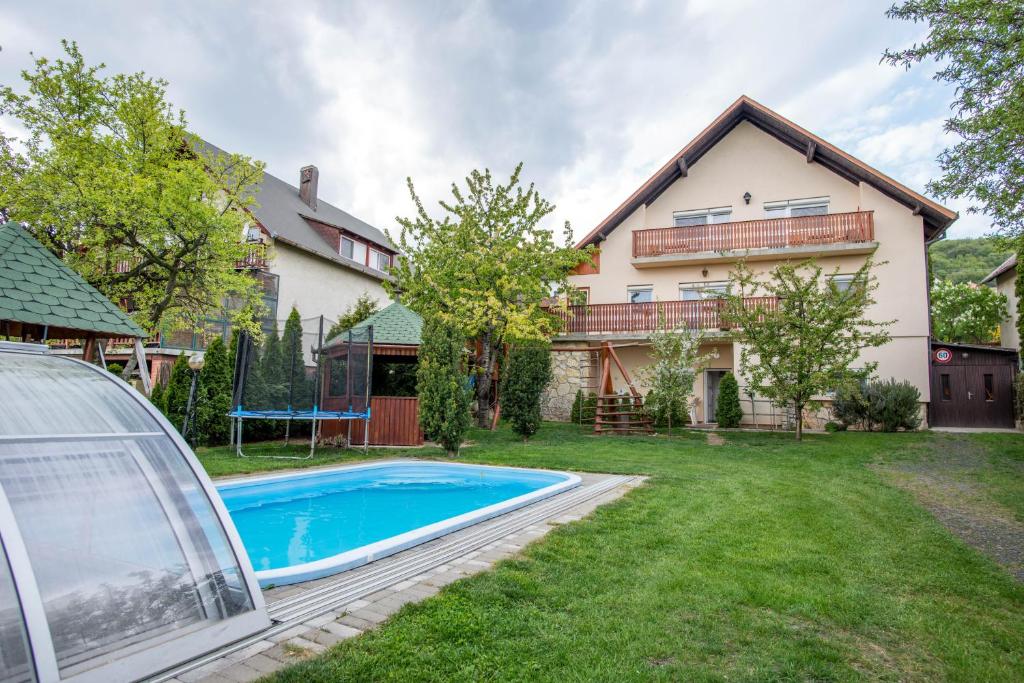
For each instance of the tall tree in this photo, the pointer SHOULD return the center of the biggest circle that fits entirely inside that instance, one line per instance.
(178, 387)
(214, 395)
(808, 341)
(441, 384)
(677, 360)
(109, 178)
(966, 312)
(361, 309)
(487, 267)
(522, 382)
(298, 388)
(979, 45)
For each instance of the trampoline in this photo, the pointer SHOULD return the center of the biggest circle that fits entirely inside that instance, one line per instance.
(285, 381)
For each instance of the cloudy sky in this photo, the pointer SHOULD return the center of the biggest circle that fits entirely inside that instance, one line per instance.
(592, 96)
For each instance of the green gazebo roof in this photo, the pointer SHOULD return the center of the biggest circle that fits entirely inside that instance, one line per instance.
(395, 325)
(37, 288)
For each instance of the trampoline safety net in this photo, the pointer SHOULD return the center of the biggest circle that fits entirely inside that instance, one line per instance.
(300, 376)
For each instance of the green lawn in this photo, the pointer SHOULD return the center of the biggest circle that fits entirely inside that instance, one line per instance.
(760, 559)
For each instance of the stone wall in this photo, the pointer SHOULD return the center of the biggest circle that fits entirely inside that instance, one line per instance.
(566, 369)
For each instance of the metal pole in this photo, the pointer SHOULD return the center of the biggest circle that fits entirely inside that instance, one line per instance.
(190, 408)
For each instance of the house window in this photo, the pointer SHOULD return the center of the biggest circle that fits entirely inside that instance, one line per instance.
(794, 208)
(721, 214)
(353, 250)
(947, 390)
(581, 295)
(252, 233)
(379, 260)
(842, 282)
(640, 294)
(697, 291)
(990, 391)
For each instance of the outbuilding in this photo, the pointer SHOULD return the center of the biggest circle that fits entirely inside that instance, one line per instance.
(971, 385)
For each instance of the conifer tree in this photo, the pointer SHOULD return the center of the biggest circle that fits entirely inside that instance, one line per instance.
(177, 391)
(523, 382)
(728, 413)
(214, 395)
(441, 385)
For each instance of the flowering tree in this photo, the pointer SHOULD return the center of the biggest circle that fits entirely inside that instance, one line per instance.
(677, 359)
(806, 344)
(965, 312)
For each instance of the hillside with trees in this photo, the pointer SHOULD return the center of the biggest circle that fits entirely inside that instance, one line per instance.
(966, 260)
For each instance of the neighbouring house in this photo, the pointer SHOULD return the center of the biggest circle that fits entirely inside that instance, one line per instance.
(305, 252)
(1004, 279)
(755, 186)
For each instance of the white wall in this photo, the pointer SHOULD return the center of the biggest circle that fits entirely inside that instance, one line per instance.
(317, 286)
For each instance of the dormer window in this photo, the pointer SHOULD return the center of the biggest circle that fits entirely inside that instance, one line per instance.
(722, 214)
(794, 208)
(380, 261)
(353, 250)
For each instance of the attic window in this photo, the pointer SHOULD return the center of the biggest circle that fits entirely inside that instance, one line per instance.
(379, 260)
(721, 214)
(353, 250)
(794, 208)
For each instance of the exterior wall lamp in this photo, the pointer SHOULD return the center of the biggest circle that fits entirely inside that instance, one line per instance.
(746, 197)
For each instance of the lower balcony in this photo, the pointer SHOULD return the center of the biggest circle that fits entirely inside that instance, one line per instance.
(255, 258)
(642, 319)
(768, 239)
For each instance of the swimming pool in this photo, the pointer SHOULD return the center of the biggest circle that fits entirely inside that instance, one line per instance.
(298, 527)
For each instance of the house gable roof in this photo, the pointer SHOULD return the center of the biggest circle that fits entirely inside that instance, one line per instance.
(396, 325)
(936, 217)
(283, 213)
(1003, 267)
(38, 288)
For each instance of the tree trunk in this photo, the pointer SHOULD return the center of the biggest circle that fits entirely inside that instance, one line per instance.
(483, 383)
(799, 421)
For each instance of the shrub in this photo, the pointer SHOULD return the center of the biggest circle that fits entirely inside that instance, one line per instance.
(589, 409)
(849, 407)
(659, 415)
(158, 397)
(893, 405)
(576, 413)
(115, 368)
(441, 385)
(888, 405)
(178, 386)
(832, 427)
(729, 413)
(1018, 395)
(522, 383)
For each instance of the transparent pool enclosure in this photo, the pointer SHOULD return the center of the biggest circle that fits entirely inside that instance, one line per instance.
(117, 558)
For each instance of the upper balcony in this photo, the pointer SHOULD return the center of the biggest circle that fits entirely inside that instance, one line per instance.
(768, 239)
(255, 257)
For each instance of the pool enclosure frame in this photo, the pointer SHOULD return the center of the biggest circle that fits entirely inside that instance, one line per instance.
(148, 656)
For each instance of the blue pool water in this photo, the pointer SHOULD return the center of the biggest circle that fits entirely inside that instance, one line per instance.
(292, 520)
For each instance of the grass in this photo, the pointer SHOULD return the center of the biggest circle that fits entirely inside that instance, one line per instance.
(760, 559)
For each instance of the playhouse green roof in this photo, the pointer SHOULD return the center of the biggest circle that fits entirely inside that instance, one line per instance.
(38, 288)
(395, 325)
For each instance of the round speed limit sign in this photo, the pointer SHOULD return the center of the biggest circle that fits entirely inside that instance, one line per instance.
(943, 355)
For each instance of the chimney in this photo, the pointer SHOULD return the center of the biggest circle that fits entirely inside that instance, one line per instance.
(309, 176)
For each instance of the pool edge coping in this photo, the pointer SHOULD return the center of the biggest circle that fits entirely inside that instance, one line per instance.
(362, 555)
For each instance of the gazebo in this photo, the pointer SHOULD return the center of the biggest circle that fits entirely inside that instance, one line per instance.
(394, 406)
(43, 299)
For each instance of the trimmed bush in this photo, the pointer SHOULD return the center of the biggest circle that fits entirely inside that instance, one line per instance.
(893, 405)
(441, 385)
(887, 405)
(729, 413)
(115, 368)
(158, 397)
(576, 413)
(178, 386)
(659, 415)
(522, 383)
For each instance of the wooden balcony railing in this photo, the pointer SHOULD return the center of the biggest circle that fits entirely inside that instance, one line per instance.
(255, 257)
(705, 314)
(777, 233)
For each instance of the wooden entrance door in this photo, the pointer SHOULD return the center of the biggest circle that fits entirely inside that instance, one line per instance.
(972, 396)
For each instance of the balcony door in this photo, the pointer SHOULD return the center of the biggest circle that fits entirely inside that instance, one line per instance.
(712, 382)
